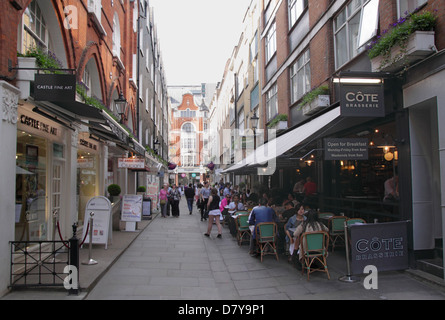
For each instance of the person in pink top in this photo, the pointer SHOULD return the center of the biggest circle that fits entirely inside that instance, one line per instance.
(163, 200)
(224, 202)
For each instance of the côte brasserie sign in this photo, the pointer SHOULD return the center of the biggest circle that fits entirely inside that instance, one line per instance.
(362, 100)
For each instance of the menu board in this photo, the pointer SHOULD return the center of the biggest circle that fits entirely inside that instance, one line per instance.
(100, 207)
(131, 208)
(152, 193)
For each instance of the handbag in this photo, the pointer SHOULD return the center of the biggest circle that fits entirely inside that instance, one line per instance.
(163, 201)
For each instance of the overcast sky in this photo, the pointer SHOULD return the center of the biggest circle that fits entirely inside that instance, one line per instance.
(197, 37)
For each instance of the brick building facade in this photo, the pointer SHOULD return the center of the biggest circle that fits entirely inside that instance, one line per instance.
(63, 152)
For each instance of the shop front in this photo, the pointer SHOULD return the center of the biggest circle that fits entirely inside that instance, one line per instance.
(40, 174)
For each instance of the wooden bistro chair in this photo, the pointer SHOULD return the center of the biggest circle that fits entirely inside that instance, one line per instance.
(337, 229)
(242, 228)
(352, 221)
(266, 238)
(314, 246)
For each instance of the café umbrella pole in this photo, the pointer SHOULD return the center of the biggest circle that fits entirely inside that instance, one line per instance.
(348, 277)
(90, 261)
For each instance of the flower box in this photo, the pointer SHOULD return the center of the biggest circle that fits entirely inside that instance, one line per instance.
(420, 44)
(280, 125)
(320, 102)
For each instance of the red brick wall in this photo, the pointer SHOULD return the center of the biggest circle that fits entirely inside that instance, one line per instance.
(81, 44)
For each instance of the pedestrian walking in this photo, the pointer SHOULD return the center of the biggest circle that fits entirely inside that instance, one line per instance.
(163, 199)
(189, 195)
(204, 195)
(214, 213)
(175, 196)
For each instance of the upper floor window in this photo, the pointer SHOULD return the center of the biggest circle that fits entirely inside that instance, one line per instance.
(300, 76)
(271, 43)
(407, 6)
(353, 27)
(95, 6)
(271, 102)
(116, 36)
(35, 31)
(296, 8)
(188, 114)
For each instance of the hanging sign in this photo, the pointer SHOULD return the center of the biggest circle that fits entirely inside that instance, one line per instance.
(362, 100)
(54, 87)
(131, 163)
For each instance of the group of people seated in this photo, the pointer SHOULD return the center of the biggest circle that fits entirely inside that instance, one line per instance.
(292, 217)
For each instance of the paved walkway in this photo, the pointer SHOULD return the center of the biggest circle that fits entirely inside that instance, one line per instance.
(172, 259)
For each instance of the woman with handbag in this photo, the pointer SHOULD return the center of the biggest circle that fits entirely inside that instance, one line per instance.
(163, 200)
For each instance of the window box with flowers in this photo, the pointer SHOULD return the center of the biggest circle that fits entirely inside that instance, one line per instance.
(315, 100)
(410, 39)
(278, 123)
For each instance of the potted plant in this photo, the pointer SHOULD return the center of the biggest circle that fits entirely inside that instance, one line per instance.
(315, 100)
(408, 40)
(141, 190)
(114, 190)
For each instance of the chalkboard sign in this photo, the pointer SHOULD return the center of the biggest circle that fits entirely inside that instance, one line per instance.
(146, 208)
(101, 208)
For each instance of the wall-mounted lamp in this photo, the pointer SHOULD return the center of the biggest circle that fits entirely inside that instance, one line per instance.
(254, 121)
(155, 143)
(121, 106)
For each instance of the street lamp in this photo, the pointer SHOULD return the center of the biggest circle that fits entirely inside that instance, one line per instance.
(155, 143)
(254, 120)
(121, 105)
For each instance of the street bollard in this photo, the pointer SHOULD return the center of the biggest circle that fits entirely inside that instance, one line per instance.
(348, 277)
(74, 258)
(90, 261)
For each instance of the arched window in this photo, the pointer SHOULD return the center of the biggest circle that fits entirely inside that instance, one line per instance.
(188, 127)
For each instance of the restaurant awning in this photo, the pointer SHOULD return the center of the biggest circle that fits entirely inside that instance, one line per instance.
(287, 141)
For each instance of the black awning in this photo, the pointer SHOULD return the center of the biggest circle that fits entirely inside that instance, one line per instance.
(82, 111)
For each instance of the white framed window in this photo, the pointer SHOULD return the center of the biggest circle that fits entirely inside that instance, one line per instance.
(369, 22)
(35, 31)
(296, 8)
(253, 47)
(95, 6)
(116, 48)
(407, 6)
(271, 102)
(300, 76)
(188, 113)
(271, 42)
(347, 29)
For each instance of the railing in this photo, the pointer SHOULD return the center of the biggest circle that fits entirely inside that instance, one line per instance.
(43, 263)
(38, 263)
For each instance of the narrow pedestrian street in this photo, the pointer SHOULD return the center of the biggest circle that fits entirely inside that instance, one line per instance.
(172, 259)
